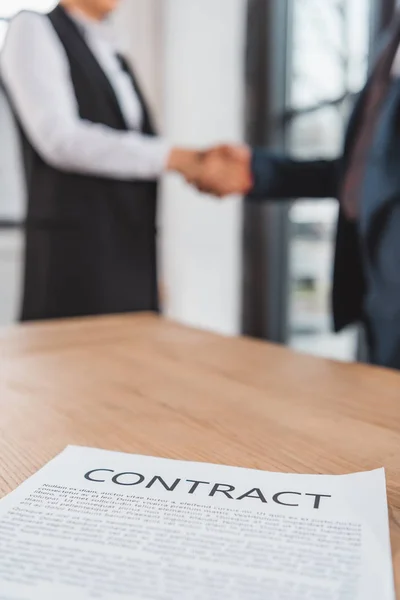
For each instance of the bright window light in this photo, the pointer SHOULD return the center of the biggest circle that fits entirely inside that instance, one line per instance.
(8, 8)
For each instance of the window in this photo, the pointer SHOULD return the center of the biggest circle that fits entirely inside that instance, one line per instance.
(329, 37)
(9, 8)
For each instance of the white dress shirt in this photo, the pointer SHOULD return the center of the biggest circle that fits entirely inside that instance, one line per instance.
(35, 70)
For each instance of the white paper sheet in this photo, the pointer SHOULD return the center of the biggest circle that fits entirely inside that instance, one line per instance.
(106, 525)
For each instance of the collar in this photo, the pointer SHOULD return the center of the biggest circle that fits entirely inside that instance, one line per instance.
(101, 30)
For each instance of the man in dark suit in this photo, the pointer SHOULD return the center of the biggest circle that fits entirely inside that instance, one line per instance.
(366, 181)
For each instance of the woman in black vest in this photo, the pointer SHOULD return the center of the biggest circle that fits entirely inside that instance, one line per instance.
(92, 163)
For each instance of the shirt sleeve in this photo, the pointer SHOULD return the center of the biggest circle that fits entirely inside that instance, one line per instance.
(35, 72)
(281, 177)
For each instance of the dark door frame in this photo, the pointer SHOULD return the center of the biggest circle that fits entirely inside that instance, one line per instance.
(265, 225)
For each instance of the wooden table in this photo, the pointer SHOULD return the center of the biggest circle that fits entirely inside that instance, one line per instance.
(139, 384)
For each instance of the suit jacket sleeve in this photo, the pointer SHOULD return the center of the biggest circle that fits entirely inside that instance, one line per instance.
(280, 177)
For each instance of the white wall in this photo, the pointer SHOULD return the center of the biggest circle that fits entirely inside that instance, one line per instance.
(189, 55)
(203, 89)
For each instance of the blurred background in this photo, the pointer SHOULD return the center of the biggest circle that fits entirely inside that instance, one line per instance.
(282, 73)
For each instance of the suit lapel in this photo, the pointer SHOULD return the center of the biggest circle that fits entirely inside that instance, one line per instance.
(356, 116)
(82, 53)
(354, 124)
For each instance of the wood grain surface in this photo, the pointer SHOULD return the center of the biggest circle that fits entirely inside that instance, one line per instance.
(143, 385)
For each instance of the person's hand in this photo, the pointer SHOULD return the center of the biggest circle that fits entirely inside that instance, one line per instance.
(186, 162)
(220, 171)
(224, 170)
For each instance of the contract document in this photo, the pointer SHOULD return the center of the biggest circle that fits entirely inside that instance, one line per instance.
(94, 524)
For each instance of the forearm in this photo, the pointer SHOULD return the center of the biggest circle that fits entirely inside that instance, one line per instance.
(280, 177)
(92, 149)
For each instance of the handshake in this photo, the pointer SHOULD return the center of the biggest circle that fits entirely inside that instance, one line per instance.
(220, 171)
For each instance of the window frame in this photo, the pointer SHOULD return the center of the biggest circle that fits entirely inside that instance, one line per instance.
(266, 230)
